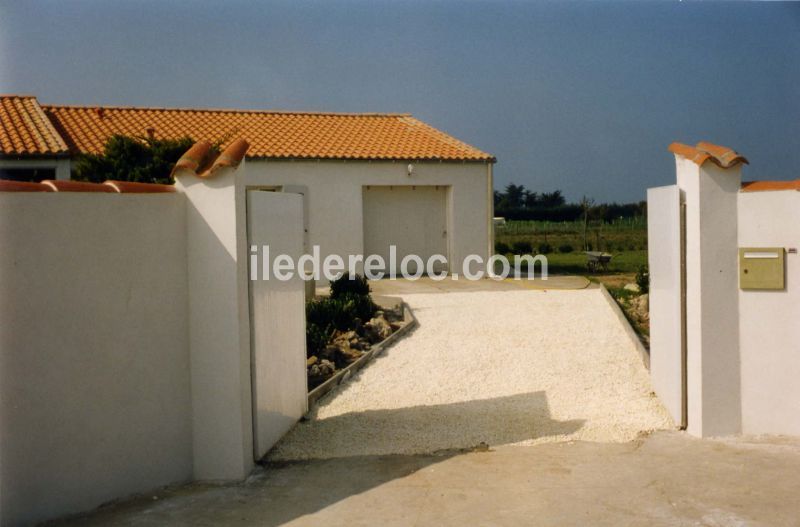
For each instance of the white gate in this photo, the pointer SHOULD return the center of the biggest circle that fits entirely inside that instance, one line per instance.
(667, 298)
(277, 319)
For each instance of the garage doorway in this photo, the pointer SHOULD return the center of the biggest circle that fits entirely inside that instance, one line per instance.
(413, 218)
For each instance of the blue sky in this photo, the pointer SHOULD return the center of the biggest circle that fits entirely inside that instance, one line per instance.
(578, 96)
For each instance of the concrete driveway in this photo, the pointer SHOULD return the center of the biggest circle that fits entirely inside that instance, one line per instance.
(668, 479)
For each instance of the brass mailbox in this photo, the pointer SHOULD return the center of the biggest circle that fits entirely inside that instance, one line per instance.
(761, 267)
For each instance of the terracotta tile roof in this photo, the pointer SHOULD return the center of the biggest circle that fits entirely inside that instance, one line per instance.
(202, 161)
(271, 134)
(26, 130)
(721, 156)
(763, 186)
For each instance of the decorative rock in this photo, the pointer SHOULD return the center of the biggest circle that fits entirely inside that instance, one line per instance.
(631, 287)
(378, 328)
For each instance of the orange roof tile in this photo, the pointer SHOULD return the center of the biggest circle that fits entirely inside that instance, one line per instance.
(271, 134)
(26, 130)
(721, 156)
(202, 161)
(762, 186)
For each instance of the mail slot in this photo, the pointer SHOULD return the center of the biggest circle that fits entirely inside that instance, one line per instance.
(761, 267)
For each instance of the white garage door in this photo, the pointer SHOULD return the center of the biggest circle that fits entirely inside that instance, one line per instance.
(413, 218)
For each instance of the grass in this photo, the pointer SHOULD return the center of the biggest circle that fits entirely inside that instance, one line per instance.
(625, 262)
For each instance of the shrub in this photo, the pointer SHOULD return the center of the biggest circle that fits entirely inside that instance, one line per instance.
(143, 160)
(566, 248)
(316, 339)
(330, 314)
(545, 248)
(360, 306)
(347, 285)
(522, 247)
(501, 248)
(643, 279)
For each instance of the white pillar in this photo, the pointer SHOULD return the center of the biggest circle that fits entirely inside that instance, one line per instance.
(219, 325)
(712, 318)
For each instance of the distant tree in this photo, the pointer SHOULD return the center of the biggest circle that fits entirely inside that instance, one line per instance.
(531, 200)
(124, 158)
(498, 198)
(552, 199)
(515, 195)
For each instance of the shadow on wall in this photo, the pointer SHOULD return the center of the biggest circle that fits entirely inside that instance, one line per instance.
(415, 429)
(289, 490)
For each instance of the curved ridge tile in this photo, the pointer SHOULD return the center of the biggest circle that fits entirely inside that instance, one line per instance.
(721, 156)
(132, 187)
(22, 186)
(62, 185)
(194, 158)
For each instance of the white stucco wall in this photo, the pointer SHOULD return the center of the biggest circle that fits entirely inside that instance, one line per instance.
(743, 356)
(334, 199)
(769, 331)
(94, 359)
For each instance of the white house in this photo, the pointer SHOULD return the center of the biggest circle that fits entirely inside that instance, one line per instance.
(367, 180)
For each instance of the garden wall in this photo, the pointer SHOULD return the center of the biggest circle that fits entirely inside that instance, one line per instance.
(125, 336)
(740, 338)
(94, 357)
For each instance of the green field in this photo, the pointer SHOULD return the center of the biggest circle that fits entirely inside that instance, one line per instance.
(625, 240)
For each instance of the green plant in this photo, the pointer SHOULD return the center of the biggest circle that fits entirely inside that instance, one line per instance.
(545, 248)
(564, 249)
(501, 248)
(522, 247)
(360, 306)
(316, 339)
(330, 314)
(124, 158)
(643, 279)
(347, 285)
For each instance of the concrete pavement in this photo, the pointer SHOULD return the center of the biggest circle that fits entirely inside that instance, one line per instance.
(668, 478)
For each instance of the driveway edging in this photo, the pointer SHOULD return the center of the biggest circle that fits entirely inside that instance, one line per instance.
(629, 331)
(344, 374)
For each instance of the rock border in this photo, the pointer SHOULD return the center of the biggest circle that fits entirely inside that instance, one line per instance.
(632, 335)
(341, 376)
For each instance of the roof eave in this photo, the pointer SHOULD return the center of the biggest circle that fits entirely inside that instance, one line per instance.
(375, 159)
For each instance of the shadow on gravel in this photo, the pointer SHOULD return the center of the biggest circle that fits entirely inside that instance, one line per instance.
(423, 429)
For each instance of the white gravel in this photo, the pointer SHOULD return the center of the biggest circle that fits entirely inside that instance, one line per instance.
(511, 367)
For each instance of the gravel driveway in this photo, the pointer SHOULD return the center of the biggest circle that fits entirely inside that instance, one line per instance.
(495, 367)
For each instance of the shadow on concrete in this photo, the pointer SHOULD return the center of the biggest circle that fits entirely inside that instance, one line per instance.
(356, 448)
